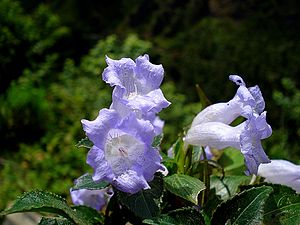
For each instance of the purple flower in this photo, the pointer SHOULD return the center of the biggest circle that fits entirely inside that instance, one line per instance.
(122, 153)
(211, 126)
(246, 137)
(96, 199)
(137, 86)
(244, 103)
(281, 172)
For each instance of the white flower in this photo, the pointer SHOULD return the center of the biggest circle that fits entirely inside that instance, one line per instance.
(281, 172)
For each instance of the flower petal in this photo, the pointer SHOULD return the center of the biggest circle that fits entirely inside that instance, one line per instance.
(149, 75)
(237, 80)
(102, 170)
(96, 128)
(281, 172)
(214, 134)
(130, 182)
(120, 73)
(219, 112)
(93, 198)
(257, 95)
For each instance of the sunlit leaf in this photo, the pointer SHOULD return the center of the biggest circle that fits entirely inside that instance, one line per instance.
(86, 182)
(184, 186)
(84, 143)
(41, 201)
(229, 185)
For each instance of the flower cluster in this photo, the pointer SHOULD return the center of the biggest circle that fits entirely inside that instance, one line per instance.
(122, 135)
(211, 127)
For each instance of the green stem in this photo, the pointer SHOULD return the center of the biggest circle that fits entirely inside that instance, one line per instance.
(206, 179)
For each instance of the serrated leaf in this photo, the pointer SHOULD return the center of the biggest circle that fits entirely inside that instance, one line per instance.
(86, 182)
(157, 140)
(186, 216)
(84, 143)
(143, 204)
(228, 186)
(282, 207)
(41, 201)
(55, 221)
(245, 208)
(184, 186)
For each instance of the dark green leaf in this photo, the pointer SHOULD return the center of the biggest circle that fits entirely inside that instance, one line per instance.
(282, 207)
(88, 214)
(210, 206)
(157, 140)
(84, 143)
(245, 208)
(184, 186)
(55, 221)
(41, 201)
(228, 186)
(186, 216)
(144, 203)
(86, 182)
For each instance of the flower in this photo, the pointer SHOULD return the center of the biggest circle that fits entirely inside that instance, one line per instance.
(281, 172)
(211, 126)
(122, 153)
(244, 103)
(96, 199)
(136, 87)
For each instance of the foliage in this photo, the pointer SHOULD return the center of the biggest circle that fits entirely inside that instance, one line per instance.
(51, 62)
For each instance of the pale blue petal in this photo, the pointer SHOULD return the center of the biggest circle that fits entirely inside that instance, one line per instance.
(102, 170)
(95, 129)
(120, 73)
(149, 75)
(237, 80)
(93, 198)
(257, 95)
(130, 182)
(281, 172)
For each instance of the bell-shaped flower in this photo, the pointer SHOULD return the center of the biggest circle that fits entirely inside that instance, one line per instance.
(246, 137)
(96, 199)
(137, 86)
(122, 153)
(281, 172)
(244, 103)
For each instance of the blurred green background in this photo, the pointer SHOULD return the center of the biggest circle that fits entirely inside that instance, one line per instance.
(52, 54)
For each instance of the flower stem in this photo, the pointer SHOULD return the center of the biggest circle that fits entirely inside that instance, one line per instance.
(206, 179)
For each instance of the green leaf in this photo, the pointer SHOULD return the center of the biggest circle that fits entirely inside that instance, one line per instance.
(144, 203)
(157, 140)
(184, 186)
(210, 206)
(84, 143)
(41, 201)
(186, 216)
(245, 208)
(232, 161)
(88, 214)
(86, 182)
(55, 221)
(229, 185)
(282, 207)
